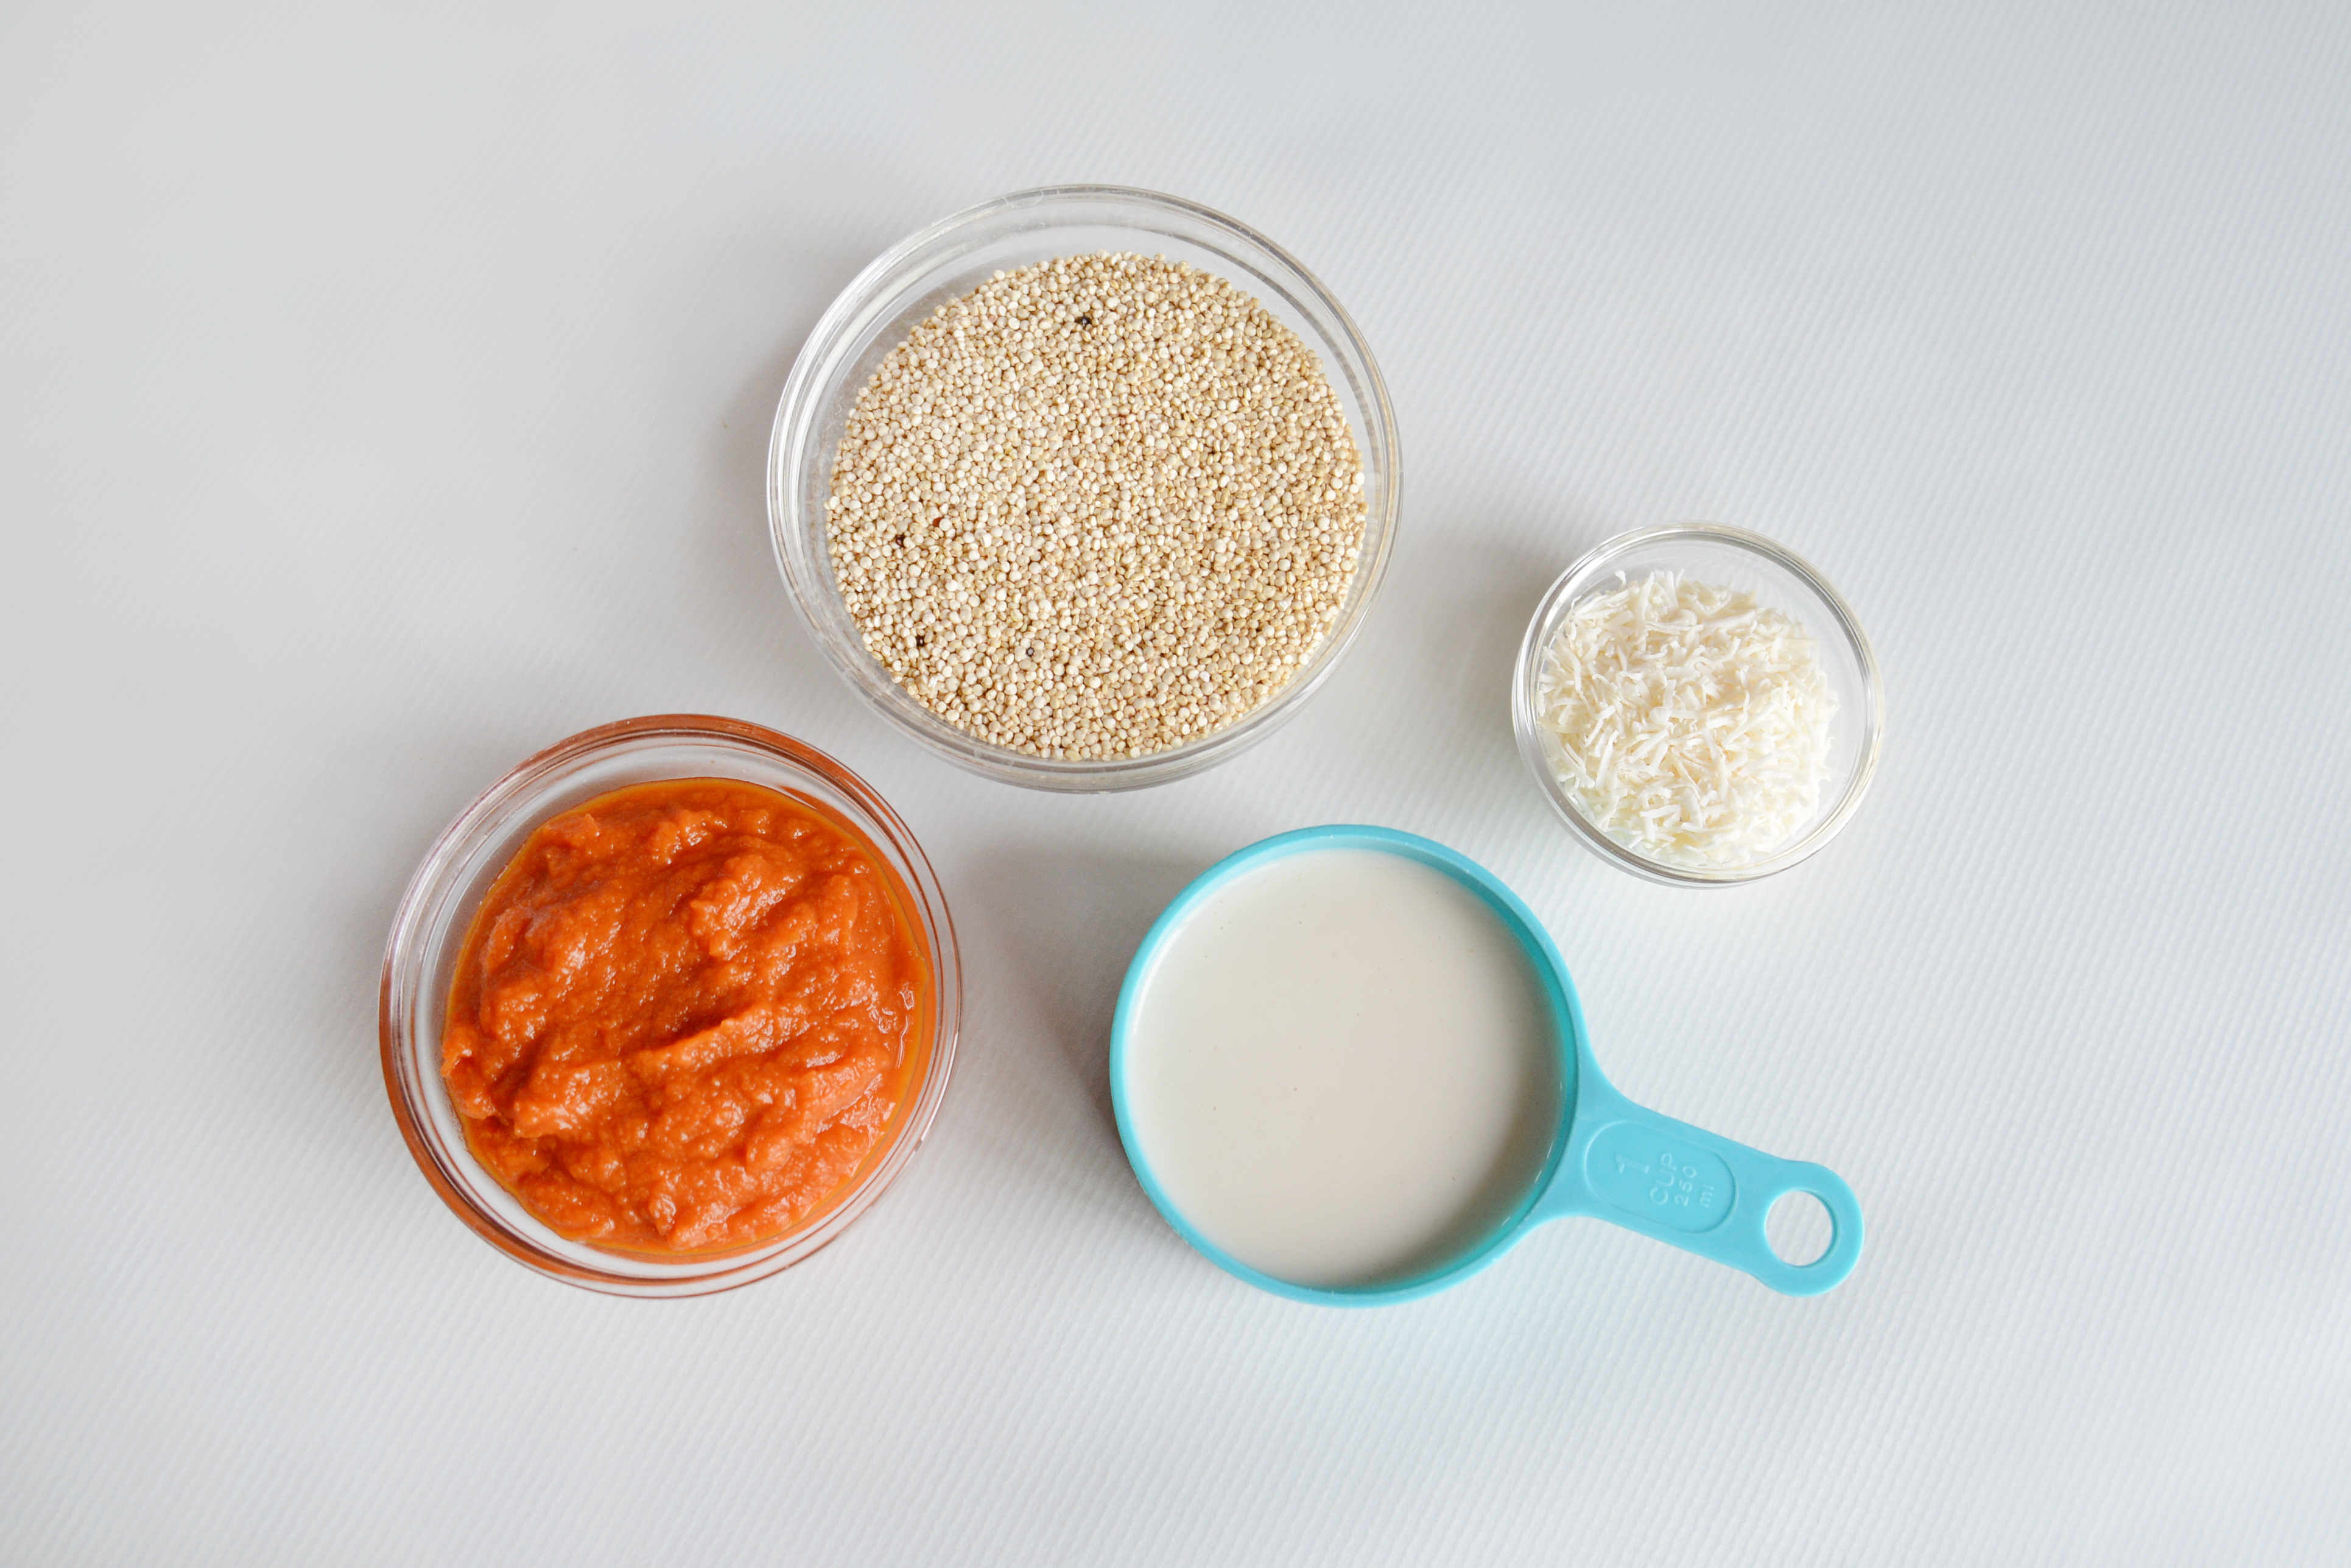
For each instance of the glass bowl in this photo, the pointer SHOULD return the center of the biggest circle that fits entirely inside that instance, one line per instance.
(430, 928)
(952, 258)
(1735, 559)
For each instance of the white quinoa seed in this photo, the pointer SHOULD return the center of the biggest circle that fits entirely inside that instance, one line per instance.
(1096, 508)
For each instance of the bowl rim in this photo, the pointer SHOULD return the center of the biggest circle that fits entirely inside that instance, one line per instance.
(412, 924)
(818, 366)
(1578, 580)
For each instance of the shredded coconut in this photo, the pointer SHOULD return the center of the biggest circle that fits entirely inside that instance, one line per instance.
(1689, 723)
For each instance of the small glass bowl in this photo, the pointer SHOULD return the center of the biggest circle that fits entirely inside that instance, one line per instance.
(1734, 558)
(952, 258)
(430, 928)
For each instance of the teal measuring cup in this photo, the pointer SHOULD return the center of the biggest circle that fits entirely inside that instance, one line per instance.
(1608, 1159)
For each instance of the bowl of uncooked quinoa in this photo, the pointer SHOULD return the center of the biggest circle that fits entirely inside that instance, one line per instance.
(1086, 488)
(1699, 705)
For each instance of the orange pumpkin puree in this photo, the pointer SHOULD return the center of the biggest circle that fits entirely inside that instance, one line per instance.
(685, 1016)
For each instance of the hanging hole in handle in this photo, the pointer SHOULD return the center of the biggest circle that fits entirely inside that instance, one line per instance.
(1799, 1228)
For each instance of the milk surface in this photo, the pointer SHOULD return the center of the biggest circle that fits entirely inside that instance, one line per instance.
(1342, 1070)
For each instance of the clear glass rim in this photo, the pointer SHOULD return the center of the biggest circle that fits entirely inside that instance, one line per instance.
(425, 910)
(822, 361)
(1579, 579)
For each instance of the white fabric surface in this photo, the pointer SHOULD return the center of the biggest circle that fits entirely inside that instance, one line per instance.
(386, 395)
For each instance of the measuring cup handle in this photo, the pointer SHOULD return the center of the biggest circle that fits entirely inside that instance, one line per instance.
(1697, 1190)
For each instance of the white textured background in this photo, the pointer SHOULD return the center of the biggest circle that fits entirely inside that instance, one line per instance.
(383, 397)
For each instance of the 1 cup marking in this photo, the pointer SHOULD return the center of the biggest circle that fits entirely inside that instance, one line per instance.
(1665, 1182)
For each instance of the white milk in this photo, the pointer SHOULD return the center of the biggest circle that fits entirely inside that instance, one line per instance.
(1341, 1070)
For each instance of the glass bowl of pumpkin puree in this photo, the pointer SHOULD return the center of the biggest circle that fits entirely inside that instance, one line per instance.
(667, 1008)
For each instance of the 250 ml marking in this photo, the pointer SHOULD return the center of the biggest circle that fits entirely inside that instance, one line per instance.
(1666, 1182)
(1674, 1183)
